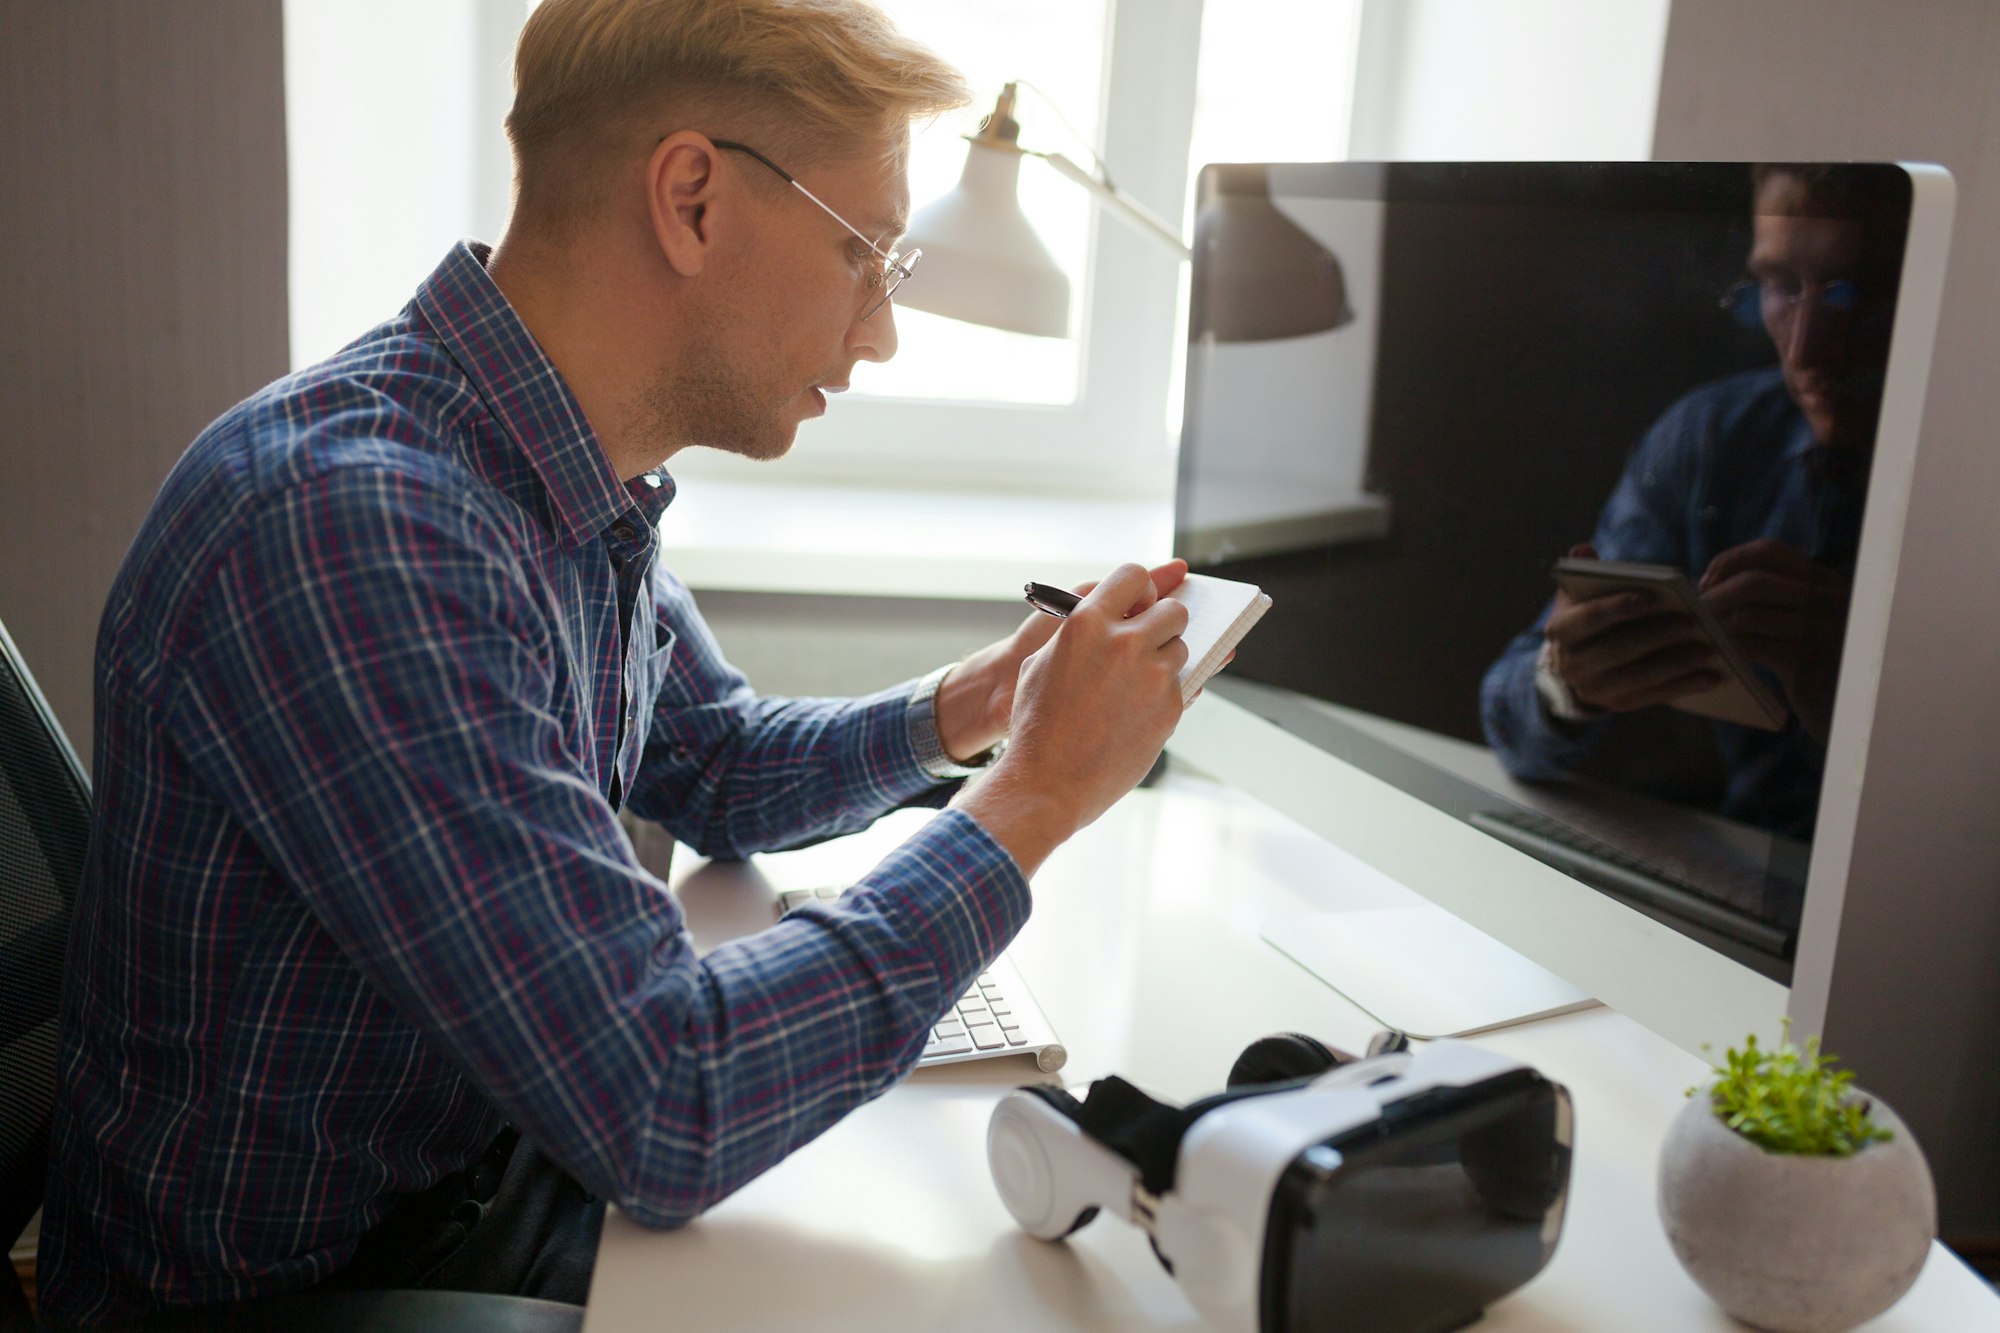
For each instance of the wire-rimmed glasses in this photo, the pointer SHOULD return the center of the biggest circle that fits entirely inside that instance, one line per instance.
(896, 268)
(1754, 300)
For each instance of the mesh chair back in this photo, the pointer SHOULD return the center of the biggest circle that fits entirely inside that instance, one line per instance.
(44, 827)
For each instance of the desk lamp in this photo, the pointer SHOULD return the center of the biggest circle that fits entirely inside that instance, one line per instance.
(1265, 277)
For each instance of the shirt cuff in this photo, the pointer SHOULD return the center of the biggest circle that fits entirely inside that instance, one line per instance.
(1554, 691)
(924, 740)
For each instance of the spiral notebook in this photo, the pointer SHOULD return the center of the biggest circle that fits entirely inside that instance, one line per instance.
(1220, 613)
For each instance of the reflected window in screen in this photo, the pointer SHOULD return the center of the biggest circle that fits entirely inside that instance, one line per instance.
(1264, 100)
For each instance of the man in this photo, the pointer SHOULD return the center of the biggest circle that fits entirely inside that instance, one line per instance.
(393, 649)
(1753, 486)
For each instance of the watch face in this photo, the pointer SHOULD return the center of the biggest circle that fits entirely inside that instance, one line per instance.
(1416, 1222)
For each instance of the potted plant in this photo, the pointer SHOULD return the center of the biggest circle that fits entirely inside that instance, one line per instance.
(1797, 1201)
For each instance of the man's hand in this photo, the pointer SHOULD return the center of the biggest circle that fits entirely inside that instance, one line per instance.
(1789, 615)
(976, 701)
(1628, 650)
(1093, 706)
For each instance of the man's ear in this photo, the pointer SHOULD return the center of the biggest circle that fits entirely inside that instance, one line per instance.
(680, 193)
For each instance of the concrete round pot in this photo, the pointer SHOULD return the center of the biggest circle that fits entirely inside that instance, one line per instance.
(1796, 1244)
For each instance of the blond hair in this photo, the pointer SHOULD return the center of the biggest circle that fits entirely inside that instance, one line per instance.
(598, 82)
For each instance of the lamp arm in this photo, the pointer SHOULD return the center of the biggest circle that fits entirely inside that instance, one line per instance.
(1134, 212)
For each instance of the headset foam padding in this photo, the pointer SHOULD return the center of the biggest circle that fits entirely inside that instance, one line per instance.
(1281, 1058)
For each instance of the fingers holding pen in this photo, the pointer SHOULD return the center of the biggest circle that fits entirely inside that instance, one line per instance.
(1152, 628)
(1125, 591)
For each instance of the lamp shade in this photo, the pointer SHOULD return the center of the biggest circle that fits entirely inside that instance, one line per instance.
(983, 262)
(1258, 274)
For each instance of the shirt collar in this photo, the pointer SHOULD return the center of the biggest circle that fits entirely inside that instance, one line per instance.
(1844, 466)
(527, 396)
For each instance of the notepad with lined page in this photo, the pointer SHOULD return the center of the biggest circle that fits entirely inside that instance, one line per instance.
(1220, 613)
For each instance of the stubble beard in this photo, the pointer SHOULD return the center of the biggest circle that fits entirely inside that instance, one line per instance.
(710, 403)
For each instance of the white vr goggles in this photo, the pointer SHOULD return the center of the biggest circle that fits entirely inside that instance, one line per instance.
(1401, 1193)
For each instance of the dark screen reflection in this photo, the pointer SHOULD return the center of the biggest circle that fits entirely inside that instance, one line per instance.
(1655, 363)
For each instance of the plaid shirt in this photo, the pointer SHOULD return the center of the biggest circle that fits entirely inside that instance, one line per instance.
(385, 659)
(1731, 462)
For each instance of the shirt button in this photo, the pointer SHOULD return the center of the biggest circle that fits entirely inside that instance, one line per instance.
(622, 530)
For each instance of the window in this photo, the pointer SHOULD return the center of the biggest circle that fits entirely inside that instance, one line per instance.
(407, 100)
(393, 116)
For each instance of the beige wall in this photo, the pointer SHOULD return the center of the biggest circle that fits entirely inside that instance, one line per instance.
(142, 284)
(1915, 1000)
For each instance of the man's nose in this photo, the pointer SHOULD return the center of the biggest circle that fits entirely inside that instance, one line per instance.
(1813, 334)
(874, 338)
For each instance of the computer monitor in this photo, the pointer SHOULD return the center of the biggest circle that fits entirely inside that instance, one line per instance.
(1714, 368)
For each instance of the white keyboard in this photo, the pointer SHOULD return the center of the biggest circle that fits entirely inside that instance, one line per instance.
(998, 1016)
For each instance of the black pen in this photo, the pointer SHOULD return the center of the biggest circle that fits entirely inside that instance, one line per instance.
(1053, 601)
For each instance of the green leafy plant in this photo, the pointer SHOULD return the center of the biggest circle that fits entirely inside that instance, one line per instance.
(1792, 1100)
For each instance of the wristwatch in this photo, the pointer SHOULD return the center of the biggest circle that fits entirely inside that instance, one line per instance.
(924, 739)
(1556, 694)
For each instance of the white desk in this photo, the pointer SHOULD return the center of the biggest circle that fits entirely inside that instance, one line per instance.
(1143, 950)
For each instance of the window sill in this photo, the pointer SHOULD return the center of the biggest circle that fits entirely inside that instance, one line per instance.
(890, 542)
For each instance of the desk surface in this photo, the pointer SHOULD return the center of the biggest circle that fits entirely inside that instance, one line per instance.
(1143, 950)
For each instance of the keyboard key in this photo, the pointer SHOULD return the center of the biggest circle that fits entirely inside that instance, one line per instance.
(984, 1022)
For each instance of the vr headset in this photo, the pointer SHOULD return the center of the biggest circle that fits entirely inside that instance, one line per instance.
(1400, 1193)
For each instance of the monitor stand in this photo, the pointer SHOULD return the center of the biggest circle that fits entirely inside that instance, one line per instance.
(1409, 963)
(1418, 969)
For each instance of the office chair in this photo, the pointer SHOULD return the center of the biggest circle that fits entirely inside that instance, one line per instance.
(44, 829)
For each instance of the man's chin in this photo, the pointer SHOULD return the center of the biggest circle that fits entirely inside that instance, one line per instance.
(769, 449)
(757, 446)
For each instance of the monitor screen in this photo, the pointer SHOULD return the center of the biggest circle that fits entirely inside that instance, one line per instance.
(1413, 389)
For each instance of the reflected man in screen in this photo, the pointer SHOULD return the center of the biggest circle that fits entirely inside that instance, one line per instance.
(1753, 486)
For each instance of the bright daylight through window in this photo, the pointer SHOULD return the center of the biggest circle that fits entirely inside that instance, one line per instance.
(960, 405)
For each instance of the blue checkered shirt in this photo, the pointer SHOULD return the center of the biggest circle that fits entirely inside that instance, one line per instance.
(387, 657)
(1731, 462)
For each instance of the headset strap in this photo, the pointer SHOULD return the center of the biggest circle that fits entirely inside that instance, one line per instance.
(1147, 1132)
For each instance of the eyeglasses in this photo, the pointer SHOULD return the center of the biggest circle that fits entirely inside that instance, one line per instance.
(1754, 301)
(896, 268)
